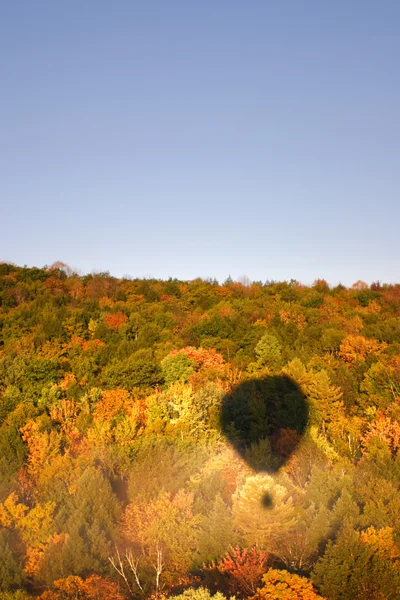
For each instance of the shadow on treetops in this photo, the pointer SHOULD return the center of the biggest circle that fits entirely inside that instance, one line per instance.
(264, 420)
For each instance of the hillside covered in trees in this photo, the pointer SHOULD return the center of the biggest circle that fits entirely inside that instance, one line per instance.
(197, 440)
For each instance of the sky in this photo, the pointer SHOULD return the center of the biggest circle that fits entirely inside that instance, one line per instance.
(187, 138)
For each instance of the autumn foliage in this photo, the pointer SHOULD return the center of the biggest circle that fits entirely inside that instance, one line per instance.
(281, 585)
(114, 320)
(243, 569)
(75, 588)
(121, 476)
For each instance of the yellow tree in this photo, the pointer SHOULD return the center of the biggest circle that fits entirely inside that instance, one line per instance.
(282, 585)
(76, 588)
(35, 528)
(43, 447)
(355, 348)
(165, 533)
(325, 399)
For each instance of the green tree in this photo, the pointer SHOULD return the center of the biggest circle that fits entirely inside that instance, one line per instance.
(216, 532)
(262, 511)
(354, 569)
(89, 525)
(268, 352)
(137, 371)
(12, 575)
(177, 367)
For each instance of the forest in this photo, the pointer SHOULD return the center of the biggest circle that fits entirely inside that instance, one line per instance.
(197, 440)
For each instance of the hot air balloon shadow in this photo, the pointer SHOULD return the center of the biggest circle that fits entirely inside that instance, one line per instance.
(264, 420)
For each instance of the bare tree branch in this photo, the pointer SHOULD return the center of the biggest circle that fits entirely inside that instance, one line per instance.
(119, 567)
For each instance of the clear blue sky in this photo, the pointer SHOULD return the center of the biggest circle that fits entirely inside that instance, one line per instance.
(202, 138)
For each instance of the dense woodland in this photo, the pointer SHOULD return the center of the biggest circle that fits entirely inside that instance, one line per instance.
(197, 440)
